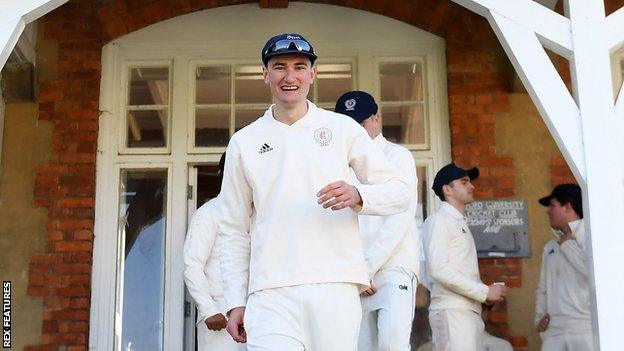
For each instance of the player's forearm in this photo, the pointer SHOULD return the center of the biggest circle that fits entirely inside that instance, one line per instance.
(458, 283)
(384, 199)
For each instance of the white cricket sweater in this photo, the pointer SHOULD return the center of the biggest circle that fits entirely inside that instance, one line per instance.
(201, 262)
(277, 169)
(393, 241)
(452, 262)
(563, 289)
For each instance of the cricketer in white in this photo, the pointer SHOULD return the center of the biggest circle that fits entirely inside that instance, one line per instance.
(291, 282)
(562, 300)
(390, 244)
(203, 280)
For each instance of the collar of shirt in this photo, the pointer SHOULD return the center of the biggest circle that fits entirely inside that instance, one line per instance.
(379, 140)
(451, 211)
(301, 122)
(578, 229)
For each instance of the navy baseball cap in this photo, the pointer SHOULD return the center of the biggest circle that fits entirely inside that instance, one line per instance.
(449, 173)
(563, 191)
(287, 43)
(358, 105)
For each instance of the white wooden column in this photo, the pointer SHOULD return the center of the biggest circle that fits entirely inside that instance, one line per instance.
(588, 128)
(15, 15)
(602, 139)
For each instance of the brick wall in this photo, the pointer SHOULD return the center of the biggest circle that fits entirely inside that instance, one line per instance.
(477, 88)
(66, 185)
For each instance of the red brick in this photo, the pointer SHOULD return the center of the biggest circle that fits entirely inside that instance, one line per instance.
(71, 224)
(46, 180)
(43, 258)
(36, 280)
(80, 303)
(83, 234)
(56, 235)
(72, 268)
(73, 327)
(77, 257)
(76, 202)
(73, 246)
(67, 314)
(80, 280)
(56, 303)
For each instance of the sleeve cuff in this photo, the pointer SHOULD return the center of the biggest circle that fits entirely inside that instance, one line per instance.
(483, 291)
(202, 316)
(234, 303)
(361, 188)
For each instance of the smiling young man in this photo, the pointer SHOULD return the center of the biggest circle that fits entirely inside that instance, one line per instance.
(390, 244)
(292, 282)
(562, 305)
(456, 288)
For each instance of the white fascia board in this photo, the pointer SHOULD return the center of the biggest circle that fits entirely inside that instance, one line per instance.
(546, 88)
(14, 15)
(615, 29)
(552, 28)
(10, 30)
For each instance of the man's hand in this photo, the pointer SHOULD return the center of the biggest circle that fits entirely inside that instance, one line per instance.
(235, 324)
(216, 322)
(339, 195)
(496, 293)
(370, 291)
(543, 323)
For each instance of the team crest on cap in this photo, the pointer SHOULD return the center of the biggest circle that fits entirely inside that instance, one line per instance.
(350, 104)
(323, 136)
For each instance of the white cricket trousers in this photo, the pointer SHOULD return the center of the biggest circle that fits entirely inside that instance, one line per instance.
(569, 342)
(388, 314)
(456, 330)
(210, 340)
(310, 317)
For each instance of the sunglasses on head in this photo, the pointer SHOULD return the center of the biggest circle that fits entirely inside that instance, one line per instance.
(285, 44)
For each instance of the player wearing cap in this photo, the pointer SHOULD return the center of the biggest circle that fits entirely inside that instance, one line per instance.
(203, 277)
(456, 288)
(562, 306)
(390, 244)
(295, 278)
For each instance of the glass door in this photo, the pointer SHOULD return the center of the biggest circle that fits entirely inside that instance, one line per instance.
(203, 185)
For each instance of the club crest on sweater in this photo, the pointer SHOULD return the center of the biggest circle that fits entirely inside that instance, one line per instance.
(323, 136)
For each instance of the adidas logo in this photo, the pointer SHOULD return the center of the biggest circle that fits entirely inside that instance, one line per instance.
(265, 148)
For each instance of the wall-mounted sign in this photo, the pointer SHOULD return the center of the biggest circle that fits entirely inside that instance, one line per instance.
(500, 228)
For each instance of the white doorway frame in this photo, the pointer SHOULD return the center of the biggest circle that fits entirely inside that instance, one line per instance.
(136, 48)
